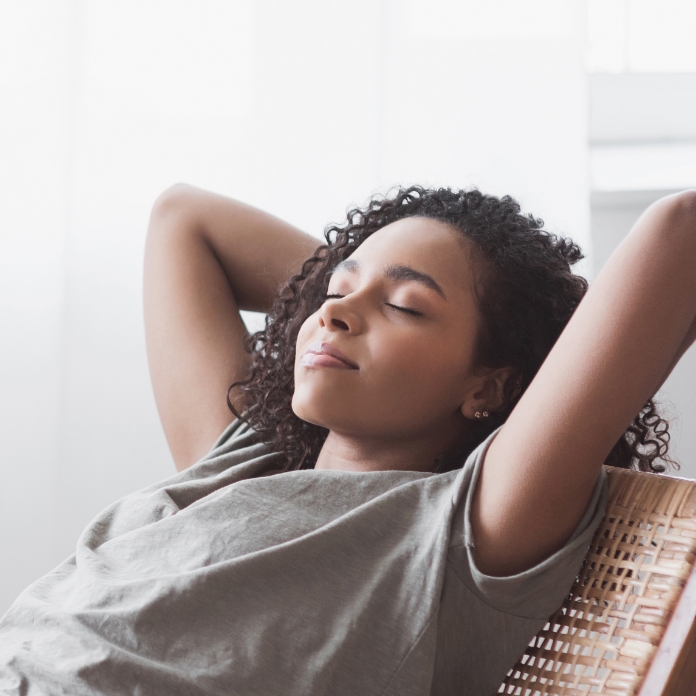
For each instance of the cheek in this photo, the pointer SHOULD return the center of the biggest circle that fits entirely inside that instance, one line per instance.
(420, 367)
(409, 386)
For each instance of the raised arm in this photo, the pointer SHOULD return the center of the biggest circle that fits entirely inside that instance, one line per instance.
(626, 335)
(207, 257)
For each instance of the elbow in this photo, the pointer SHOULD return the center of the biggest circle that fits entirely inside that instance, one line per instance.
(684, 214)
(686, 202)
(172, 208)
(172, 198)
(673, 218)
(681, 208)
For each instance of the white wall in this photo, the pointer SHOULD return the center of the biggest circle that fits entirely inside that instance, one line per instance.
(632, 108)
(35, 109)
(301, 108)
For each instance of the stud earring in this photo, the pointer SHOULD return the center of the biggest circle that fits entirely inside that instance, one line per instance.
(479, 415)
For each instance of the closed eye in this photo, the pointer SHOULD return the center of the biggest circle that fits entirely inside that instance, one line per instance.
(407, 310)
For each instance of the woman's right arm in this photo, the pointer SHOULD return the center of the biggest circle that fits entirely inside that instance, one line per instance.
(207, 257)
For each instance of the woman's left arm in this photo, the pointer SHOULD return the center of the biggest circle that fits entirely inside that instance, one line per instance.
(628, 332)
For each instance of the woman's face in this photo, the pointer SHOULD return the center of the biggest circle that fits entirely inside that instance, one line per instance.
(405, 317)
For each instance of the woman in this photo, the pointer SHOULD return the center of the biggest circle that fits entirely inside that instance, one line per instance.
(415, 473)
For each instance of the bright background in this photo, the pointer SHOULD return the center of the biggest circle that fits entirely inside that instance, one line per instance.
(584, 111)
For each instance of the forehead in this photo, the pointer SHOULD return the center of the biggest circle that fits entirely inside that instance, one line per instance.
(427, 245)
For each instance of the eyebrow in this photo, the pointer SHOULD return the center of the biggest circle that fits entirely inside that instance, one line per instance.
(398, 273)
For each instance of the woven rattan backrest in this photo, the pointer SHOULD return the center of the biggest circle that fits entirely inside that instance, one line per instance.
(605, 634)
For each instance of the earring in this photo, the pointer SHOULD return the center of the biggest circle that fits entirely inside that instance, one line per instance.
(478, 414)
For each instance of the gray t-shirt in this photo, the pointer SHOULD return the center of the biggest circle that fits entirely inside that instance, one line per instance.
(221, 581)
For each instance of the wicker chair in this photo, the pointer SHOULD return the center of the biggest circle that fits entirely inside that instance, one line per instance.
(627, 627)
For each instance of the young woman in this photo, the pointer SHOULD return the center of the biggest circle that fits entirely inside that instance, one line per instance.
(415, 471)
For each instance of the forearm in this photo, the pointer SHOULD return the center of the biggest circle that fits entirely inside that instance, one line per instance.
(257, 251)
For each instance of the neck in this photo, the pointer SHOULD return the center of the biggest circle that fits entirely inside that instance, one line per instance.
(342, 452)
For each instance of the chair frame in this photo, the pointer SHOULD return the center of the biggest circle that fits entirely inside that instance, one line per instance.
(627, 626)
(673, 669)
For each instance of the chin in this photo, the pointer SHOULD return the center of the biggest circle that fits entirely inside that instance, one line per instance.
(313, 400)
(322, 412)
(307, 410)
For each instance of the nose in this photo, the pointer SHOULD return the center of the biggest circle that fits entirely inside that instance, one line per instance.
(336, 316)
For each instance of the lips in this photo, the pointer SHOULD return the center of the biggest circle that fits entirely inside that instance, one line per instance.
(322, 354)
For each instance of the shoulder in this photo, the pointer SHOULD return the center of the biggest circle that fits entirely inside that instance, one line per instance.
(239, 441)
(233, 434)
(539, 590)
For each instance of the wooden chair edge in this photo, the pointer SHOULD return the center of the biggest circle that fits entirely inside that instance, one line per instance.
(672, 671)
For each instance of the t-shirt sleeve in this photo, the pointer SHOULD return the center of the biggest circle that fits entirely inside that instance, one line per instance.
(237, 444)
(538, 591)
(238, 448)
(237, 454)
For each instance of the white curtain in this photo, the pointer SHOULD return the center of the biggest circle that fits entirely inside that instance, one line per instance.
(299, 107)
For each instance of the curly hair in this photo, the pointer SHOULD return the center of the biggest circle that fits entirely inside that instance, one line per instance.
(526, 293)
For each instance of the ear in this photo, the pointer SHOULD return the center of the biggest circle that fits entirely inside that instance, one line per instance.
(487, 394)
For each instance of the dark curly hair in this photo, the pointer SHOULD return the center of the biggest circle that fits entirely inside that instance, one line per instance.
(526, 294)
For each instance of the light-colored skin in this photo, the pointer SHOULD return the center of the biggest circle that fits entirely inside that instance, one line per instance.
(208, 256)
